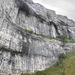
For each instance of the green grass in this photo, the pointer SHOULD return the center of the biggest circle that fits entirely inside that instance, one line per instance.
(70, 40)
(45, 36)
(67, 67)
(49, 37)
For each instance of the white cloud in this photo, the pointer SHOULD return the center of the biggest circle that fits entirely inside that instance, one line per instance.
(63, 7)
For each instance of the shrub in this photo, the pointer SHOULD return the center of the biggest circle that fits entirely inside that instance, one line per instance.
(30, 31)
(40, 73)
(62, 56)
(63, 38)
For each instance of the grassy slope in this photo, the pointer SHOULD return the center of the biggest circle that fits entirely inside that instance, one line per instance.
(66, 68)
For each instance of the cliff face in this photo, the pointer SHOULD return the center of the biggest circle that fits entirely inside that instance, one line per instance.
(21, 49)
(35, 17)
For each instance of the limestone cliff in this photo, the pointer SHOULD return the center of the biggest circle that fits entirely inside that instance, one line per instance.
(21, 49)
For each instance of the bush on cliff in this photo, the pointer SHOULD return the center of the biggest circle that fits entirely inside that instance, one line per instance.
(63, 38)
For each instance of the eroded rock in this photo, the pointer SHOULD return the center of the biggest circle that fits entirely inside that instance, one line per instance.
(21, 50)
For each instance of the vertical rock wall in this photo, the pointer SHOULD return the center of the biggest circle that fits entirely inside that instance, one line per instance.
(23, 51)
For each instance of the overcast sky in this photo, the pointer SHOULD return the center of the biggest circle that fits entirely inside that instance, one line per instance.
(63, 7)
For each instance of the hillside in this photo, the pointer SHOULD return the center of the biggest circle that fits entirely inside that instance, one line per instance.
(67, 67)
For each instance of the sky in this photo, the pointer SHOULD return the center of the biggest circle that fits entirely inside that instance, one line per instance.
(62, 7)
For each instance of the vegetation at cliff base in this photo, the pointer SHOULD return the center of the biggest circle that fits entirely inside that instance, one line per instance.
(64, 66)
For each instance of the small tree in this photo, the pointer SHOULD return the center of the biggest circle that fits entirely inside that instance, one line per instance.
(63, 38)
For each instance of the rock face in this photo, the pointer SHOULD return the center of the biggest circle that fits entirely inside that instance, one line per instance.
(21, 50)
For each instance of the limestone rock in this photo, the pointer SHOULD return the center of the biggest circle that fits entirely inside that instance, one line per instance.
(21, 49)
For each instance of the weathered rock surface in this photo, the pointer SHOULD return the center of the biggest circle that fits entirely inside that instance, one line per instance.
(37, 18)
(23, 51)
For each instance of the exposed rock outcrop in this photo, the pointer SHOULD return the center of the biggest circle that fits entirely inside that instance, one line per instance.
(20, 49)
